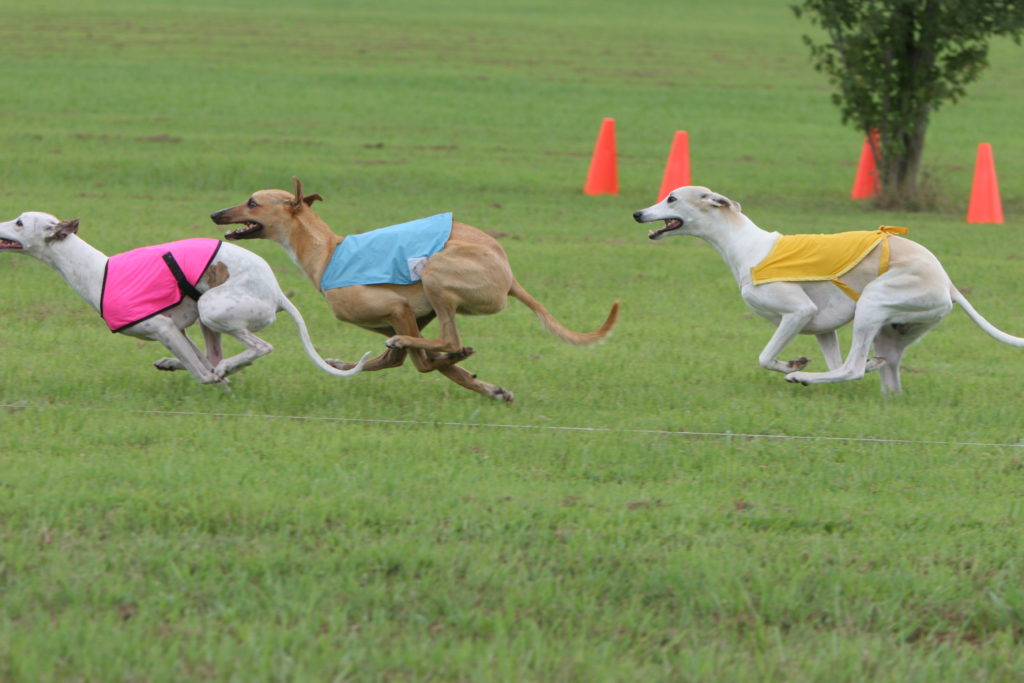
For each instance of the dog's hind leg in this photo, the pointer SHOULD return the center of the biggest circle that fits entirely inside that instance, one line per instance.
(254, 348)
(429, 354)
(441, 359)
(890, 347)
(893, 311)
(391, 358)
(464, 278)
(448, 343)
(214, 349)
(890, 343)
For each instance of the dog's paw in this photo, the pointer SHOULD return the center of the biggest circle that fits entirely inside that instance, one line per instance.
(874, 363)
(797, 378)
(168, 364)
(215, 379)
(499, 394)
(394, 342)
(797, 364)
(339, 364)
(224, 368)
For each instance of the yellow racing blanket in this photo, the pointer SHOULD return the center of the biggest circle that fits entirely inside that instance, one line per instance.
(806, 258)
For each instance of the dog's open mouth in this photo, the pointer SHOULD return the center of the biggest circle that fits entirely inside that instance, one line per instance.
(248, 230)
(670, 225)
(9, 245)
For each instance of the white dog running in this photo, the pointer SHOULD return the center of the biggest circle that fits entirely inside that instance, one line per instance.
(894, 309)
(239, 295)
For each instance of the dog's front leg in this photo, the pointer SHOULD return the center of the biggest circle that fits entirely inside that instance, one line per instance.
(789, 327)
(467, 379)
(829, 343)
(794, 310)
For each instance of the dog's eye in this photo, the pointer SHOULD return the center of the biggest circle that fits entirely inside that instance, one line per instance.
(251, 203)
(19, 223)
(670, 199)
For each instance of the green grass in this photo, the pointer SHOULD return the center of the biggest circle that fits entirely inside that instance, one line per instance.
(395, 526)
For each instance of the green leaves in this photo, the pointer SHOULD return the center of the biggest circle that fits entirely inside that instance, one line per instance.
(894, 62)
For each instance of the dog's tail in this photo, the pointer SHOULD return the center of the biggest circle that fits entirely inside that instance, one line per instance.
(288, 307)
(991, 329)
(558, 329)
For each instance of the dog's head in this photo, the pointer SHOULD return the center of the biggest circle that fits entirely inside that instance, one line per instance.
(268, 214)
(685, 209)
(33, 231)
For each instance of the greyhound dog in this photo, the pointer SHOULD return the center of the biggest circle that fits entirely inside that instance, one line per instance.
(235, 292)
(904, 291)
(470, 274)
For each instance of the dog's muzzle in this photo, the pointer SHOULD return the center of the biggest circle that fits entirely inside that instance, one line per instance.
(9, 245)
(249, 229)
(671, 224)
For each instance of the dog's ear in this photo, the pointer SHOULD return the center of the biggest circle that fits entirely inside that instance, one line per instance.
(298, 200)
(720, 201)
(62, 230)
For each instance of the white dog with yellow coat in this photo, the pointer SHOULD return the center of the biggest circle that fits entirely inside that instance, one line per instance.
(894, 290)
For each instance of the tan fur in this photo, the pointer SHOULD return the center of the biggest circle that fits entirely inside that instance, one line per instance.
(471, 275)
(216, 275)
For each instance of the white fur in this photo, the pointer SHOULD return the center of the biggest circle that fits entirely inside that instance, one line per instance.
(246, 302)
(895, 309)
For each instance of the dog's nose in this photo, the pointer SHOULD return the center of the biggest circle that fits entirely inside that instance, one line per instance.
(637, 216)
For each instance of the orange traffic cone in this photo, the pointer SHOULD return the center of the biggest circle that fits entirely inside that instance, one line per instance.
(603, 177)
(865, 184)
(985, 206)
(677, 170)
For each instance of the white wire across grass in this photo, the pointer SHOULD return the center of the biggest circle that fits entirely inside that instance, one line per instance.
(560, 428)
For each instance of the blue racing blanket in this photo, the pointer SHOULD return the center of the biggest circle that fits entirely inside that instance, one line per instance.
(394, 255)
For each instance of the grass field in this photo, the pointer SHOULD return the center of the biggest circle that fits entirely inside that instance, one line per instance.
(622, 520)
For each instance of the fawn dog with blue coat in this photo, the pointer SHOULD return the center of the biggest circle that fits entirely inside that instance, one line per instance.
(469, 275)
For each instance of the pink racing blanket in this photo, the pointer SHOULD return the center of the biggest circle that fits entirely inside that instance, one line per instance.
(144, 282)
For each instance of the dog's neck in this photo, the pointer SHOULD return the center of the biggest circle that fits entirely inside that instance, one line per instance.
(311, 244)
(80, 264)
(741, 244)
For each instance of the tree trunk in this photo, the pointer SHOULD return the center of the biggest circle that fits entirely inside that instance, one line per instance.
(899, 167)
